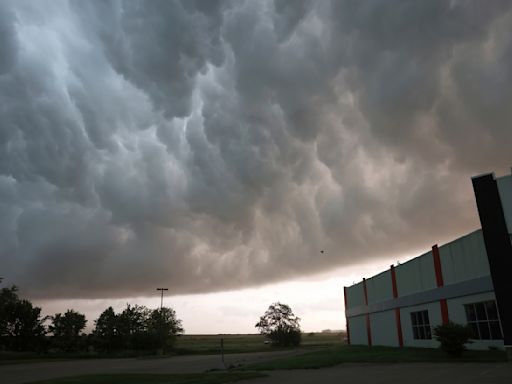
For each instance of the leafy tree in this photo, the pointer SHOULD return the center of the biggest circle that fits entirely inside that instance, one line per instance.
(133, 320)
(21, 325)
(133, 327)
(8, 300)
(164, 327)
(105, 335)
(280, 325)
(138, 328)
(452, 337)
(67, 330)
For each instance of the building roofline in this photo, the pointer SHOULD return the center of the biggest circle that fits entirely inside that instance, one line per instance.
(484, 174)
(416, 257)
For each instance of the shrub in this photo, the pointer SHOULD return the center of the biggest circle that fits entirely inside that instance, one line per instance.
(452, 337)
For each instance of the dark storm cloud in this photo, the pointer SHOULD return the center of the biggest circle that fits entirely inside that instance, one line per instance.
(211, 145)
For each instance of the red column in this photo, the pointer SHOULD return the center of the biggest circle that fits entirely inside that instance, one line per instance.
(440, 283)
(368, 327)
(397, 310)
(437, 266)
(346, 317)
(444, 311)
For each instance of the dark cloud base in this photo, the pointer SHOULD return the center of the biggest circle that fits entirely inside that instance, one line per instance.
(206, 145)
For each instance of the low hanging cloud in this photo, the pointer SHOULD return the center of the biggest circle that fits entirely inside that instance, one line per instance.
(212, 145)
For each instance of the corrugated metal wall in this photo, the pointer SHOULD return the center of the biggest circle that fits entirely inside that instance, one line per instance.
(379, 287)
(461, 260)
(355, 295)
(358, 335)
(383, 326)
(416, 275)
(464, 258)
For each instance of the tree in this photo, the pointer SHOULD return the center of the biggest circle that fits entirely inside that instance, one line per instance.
(164, 327)
(21, 325)
(105, 335)
(133, 327)
(452, 337)
(280, 325)
(136, 328)
(67, 330)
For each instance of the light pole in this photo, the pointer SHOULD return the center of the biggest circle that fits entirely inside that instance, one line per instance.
(162, 298)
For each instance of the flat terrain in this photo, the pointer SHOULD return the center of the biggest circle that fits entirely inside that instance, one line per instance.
(139, 378)
(330, 356)
(386, 373)
(210, 344)
(329, 362)
(350, 373)
(190, 345)
(27, 372)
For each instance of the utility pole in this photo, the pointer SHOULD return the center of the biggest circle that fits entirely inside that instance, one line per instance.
(162, 298)
(222, 352)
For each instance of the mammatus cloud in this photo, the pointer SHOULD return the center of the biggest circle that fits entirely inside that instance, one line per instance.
(213, 145)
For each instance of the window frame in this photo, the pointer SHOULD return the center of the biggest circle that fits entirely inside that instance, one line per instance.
(421, 328)
(480, 323)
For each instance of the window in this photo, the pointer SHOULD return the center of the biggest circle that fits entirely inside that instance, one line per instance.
(483, 320)
(421, 325)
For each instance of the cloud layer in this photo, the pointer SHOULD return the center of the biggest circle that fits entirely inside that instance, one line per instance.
(210, 145)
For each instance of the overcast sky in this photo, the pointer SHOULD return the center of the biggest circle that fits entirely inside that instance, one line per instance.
(208, 146)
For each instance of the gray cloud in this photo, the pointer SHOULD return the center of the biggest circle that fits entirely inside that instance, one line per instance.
(215, 145)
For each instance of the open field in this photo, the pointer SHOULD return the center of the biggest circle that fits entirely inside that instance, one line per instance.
(185, 345)
(350, 354)
(210, 344)
(191, 378)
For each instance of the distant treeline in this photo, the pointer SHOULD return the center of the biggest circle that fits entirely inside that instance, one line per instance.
(136, 328)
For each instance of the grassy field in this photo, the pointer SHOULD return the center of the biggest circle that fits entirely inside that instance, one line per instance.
(210, 344)
(200, 378)
(344, 354)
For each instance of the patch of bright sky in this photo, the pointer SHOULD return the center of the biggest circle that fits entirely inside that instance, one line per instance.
(317, 300)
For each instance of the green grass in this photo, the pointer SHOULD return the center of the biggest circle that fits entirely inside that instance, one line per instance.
(349, 354)
(199, 378)
(210, 344)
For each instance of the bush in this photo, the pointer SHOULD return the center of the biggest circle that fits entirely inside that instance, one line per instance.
(452, 337)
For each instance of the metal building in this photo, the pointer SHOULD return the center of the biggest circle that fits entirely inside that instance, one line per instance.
(467, 281)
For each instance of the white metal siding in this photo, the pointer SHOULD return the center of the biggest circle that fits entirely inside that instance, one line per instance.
(383, 327)
(416, 275)
(464, 258)
(357, 327)
(434, 315)
(355, 295)
(457, 314)
(379, 288)
(505, 191)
